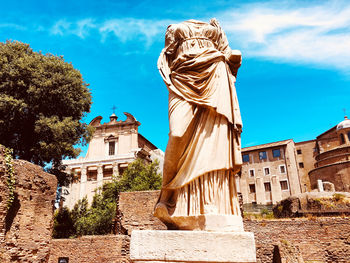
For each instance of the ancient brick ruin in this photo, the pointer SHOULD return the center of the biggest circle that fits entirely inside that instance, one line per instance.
(317, 239)
(25, 228)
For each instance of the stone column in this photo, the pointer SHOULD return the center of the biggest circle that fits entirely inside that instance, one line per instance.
(83, 180)
(276, 191)
(115, 169)
(260, 191)
(320, 186)
(244, 190)
(238, 187)
(99, 176)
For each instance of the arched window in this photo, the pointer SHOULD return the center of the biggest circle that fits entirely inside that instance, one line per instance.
(349, 136)
(342, 139)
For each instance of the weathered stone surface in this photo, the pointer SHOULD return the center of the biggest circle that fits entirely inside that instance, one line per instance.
(219, 223)
(25, 229)
(316, 203)
(192, 246)
(136, 211)
(319, 239)
(285, 252)
(92, 249)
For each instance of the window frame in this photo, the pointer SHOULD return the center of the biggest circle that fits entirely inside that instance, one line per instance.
(260, 156)
(252, 169)
(251, 188)
(284, 180)
(246, 154)
(267, 167)
(273, 153)
(109, 148)
(285, 168)
(269, 183)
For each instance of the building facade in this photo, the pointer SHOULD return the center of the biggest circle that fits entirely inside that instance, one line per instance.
(269, 173)
(113, 146)
(274, 171)
(333, 158)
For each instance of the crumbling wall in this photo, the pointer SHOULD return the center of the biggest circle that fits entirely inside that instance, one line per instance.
(136, 211)
(320, 239)
(25, 228)
(88, 249)
(326, 239)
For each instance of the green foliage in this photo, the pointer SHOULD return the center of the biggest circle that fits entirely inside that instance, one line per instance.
(11, 179)
(63, 226)
(98, 219)
(42, 101)
(338, 197)
(140, 177)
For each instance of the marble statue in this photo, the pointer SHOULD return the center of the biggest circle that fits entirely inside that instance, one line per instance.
(203, 154)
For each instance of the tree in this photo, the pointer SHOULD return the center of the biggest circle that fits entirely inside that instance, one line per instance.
(140, 177)
(42, 101)
(63, 226)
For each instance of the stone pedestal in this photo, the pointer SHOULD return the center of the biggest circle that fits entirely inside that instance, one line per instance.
(191, 246)
(220, 223)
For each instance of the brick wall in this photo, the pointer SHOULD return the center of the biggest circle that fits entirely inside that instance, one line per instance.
(322, 239)
(25, 229)
(319, 239)
(92, 249)
(135, 211)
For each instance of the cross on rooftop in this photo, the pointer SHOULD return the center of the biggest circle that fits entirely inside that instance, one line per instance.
(114, 108)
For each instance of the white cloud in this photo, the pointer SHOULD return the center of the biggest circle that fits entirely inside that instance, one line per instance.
(81, 28)
(126, 29)
(11, 25)
(317, 35)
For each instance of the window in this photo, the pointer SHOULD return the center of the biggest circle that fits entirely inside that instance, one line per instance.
(111, 150)
(267, 187)
(251, 172)
(262, 155)
(298, 151)
(284, 185)
(282, 169)
(63, 260)
(245, 158)
(276, 153)
(342, 139)
(252, 188)
(92, 175)
(349, 135)
(266, 170)
(301, 165)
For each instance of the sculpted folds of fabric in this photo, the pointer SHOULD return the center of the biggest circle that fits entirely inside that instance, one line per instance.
(204, 151)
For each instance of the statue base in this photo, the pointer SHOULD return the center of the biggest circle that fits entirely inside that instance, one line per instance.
(158, 246)
(220, 223)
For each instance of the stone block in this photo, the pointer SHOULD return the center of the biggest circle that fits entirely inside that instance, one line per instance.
(191, 246)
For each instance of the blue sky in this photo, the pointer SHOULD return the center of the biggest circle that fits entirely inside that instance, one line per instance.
(293, 83)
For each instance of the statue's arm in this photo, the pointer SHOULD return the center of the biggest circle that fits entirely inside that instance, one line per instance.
(233, 57)
(166, 55)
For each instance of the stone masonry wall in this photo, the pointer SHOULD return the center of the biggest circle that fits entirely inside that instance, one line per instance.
(25, 229)
(92, 249)
(135, 211)
(319, 239)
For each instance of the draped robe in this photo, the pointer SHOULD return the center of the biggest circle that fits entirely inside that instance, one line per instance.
(204, 151)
